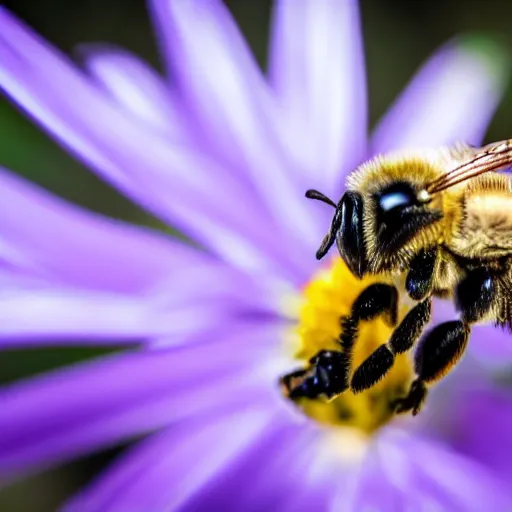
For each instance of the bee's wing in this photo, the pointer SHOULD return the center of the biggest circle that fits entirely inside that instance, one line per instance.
(492, 157)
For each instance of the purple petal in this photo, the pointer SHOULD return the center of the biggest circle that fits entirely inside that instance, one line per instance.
(73, 411)
(168, 178)
(482, 427)
(214, 68)
(79, 248)
(136, 87)
(265, 463)
(231, 102)
(492, 345)
(452, 98)
(34, 316)
(284, 471)
(404, 472)
(49, 315)
(366, 489)
(165, 471)
(317, 67)
(71, 274)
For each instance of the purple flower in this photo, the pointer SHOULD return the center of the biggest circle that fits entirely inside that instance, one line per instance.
(225, 154)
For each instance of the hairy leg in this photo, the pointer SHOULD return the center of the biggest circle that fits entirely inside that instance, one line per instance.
(328, 372)
(438, 352)
(403, 338)
(443, 347)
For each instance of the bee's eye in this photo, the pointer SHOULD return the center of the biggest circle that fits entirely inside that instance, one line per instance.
(398, 195)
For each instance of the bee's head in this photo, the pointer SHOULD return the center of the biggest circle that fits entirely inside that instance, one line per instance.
(401, 218)
(374, 229)
(393, 206)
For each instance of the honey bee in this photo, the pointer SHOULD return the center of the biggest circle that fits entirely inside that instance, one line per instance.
(442, 221)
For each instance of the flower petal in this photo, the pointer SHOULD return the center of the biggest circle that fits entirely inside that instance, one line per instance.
(213, 67)
(317, 67)
(49, 315)
(67, 274)
(265, 463)
(33, 316)
(73, 411)
(136, 87)
(167, 177)
(405, 472)
(452, 98)
(482, 427)
(231, 103)
(162, 473)
(491, 345)
(79, 248)
(283, 471)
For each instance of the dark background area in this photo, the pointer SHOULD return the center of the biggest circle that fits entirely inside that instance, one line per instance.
(399, 35)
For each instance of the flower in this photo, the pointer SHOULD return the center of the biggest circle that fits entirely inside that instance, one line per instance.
(225, 154)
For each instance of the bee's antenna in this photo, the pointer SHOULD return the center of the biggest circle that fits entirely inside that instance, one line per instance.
(329, 239)
(314, 194)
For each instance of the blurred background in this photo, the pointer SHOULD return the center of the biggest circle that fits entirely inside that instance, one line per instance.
(399, 35)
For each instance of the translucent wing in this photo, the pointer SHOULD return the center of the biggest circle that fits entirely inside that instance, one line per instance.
(492, 157)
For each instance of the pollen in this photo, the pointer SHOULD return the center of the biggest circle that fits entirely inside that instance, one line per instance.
(326, 300)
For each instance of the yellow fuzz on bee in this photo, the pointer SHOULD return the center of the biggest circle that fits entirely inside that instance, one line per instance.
(325, 300)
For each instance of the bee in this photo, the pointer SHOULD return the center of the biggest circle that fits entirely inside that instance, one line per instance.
(442, 221)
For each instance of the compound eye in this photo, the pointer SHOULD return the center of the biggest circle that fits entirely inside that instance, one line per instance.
(396, 196)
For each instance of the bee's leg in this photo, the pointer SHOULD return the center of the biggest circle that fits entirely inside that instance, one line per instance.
(421, 274)
(326, 376)
(444, 345)
(375, 300)
(418, 283)
(438, 351)
(403, 338)
(328, 372)
(474, 295)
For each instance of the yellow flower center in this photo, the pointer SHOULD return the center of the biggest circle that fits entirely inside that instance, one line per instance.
(326, 299)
